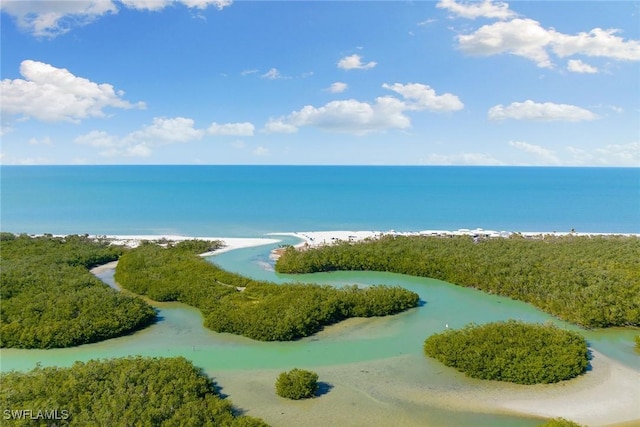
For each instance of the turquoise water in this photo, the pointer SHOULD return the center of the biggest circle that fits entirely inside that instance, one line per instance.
(253, 200)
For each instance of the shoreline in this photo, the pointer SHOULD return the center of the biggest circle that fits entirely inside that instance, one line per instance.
(318, 238)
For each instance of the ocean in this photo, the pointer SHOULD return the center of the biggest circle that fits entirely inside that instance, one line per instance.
(248, 201)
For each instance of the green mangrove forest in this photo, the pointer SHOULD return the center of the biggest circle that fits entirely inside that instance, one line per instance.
(511, 351)
(132, 391)
(239, 305)
(592, 281)
(50, 298)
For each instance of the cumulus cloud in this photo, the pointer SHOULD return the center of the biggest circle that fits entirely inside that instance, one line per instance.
(597, 42)
(543, 155)
(337, 87)
(231, 129)
(484, 9)
(54, 94)
(527, 38)
(360, 118)
(139, 143)
(577, 66)
(522, 37)
(53, 18)
(423, 97)
(547, 111)
(354, 62)
(279, 126)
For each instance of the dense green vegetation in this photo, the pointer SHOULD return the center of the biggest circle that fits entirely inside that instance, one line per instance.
(511, 351)
(239, 305)
(297, 384)
(50, 299)
(637, 340)
(590, 281)
(132, 391)
(560, 422)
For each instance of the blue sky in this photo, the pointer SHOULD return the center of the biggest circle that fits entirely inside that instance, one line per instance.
(554, 83)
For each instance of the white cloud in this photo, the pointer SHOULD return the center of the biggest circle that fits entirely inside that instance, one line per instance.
(272, 74)
(577, 66)
(54, 94)
(423, 97)
(547, 111)
(231, 129)
(469, 159)
(260, 151)
(484, 9)
(153, 5)
(609, 155)
(247, 72)
(337, 87)
(203, 4)
(44, 141)
(545, 156)
(351, 116)
(354, 62)
(139, 143)
(522, 37)
(279, 126)
(527, 38)
(52, 18)
(359, 118)
(597, 42)
(164, 130)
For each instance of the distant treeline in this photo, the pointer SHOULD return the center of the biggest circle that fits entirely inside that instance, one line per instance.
(132, 391)
(511, 351)
(590, 281)
(50, 299)
(236, 304)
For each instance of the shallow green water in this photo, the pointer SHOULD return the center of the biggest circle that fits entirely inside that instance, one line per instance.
(180, 332)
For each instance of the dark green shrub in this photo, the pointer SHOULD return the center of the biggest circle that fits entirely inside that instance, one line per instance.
(511, 351)
(560, 422)
(132, 391)
(297, 384)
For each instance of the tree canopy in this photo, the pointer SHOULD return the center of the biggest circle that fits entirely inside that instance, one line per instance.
(591, 281)
(50, 299)
(127, 391)
(257, 309)
(511, 351)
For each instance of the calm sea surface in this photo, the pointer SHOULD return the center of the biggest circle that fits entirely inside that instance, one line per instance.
(253, 200)
(228, 201)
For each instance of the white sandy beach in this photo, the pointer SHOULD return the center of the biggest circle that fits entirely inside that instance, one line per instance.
(229, 243)
(318, 238)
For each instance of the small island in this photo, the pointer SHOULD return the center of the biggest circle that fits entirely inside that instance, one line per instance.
(512, 351)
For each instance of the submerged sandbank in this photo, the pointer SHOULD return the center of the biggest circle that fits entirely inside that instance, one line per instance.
(411, 390)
